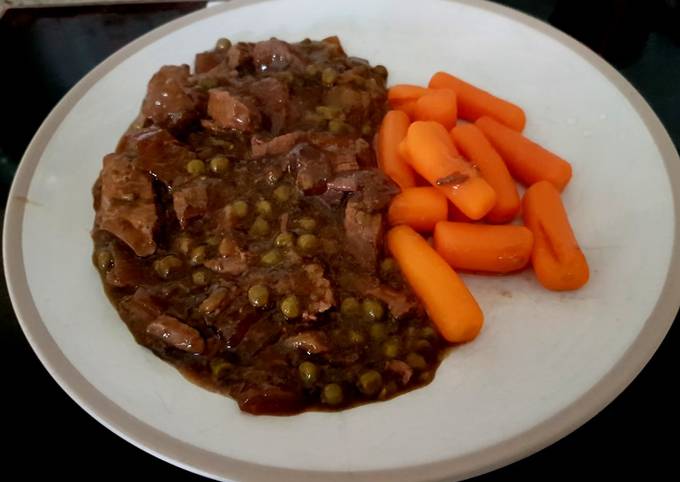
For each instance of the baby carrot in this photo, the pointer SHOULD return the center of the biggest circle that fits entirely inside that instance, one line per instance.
(418, 207)
(527, 161)
(474, 103)
(432, 154)
(446, 298)
(407, 107)
(392, 131)
(404, 92)
(483, 247)
(558, 261)
(439, 106)
(476, 148)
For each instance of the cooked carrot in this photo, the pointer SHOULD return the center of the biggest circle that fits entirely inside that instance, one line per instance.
(527, 161)
(455, 214)
(439, 106)
(407, 107)
(474, 103)
(392, 131)
(446, 298)
(432, 154)
(476, 148)
(557, 259)
(404, 92)
(483, 247)
(418, 207)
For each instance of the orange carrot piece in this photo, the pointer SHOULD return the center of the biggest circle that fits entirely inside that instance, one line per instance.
(418, 207)
(439, 106)
(447, 300)
(476, 148)
(558, 261)
(474, 102)
(527, 161)
(483, 247)
(404, 92)
(407, 107)
(456, 215)
(392, 131)
(432, 154)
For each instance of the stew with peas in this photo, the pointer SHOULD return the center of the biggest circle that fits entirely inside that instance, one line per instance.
(238, 230)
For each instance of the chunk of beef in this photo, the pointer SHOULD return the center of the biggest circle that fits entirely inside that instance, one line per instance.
(141, 308)
(269, 399)
(272, 55)
(276, 146)
(240, 55)
(272, 98)
(372, 189)
(155, 150)
(311, 168)
(320, 293)
(190, 200)
(263, 332)
(232, 265)
(215, 301)
(176, 334)
(401, 369)
(126, 205)
(230, 111)
(168, 103)
(125, 271)
(312, 342)
(363, 234)
(400, 303)
(206, 61)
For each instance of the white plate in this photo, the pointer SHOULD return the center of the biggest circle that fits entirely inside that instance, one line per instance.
(544, 363)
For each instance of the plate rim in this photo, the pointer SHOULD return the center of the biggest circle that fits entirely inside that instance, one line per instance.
(215, 465)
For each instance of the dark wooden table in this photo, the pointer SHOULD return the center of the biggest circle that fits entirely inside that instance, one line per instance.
(45, 51)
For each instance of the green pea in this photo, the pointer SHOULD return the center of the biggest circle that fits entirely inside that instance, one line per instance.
(165, 266)
(329, 112)
(356, 337)
(428, 332)
(336, 126)
(423, 345)
(282, 193)
(309, 373)
(284, 240)
(258, 295)
(307, 242)
(388, 389)
(329, 75)
(380, 70)
(290, 307)
(219, 164)
(104, 259)
(213, 240)
(239, 208)
(391, 348)
(332, 394)
(183, 244)
(416, 361)
(366, 129)
(263, 208)
(195, 167)
(219, 366)
(197, 255)
(388, 266)
(259, 228)
(200, 277)
(223, 44)
(312, 70)
(370, 382)
(350, 307)
(271, 257)
(372, 309)
(307, 223)
(378, 331)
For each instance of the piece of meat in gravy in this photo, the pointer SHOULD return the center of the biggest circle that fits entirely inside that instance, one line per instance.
(401, 369)
(272, 99)
(312, 342)
(276, 146)
(231, 111)
(176, 334)
(125, 270)
(196, 197)
(363, 234)
(273, 55)
(399, 303)
(311, 168)
(320, 293)
(168, 103)
(126, 207)
(372, 189)
(156, 150)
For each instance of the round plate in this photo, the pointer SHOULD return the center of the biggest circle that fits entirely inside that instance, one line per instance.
(545, 362)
